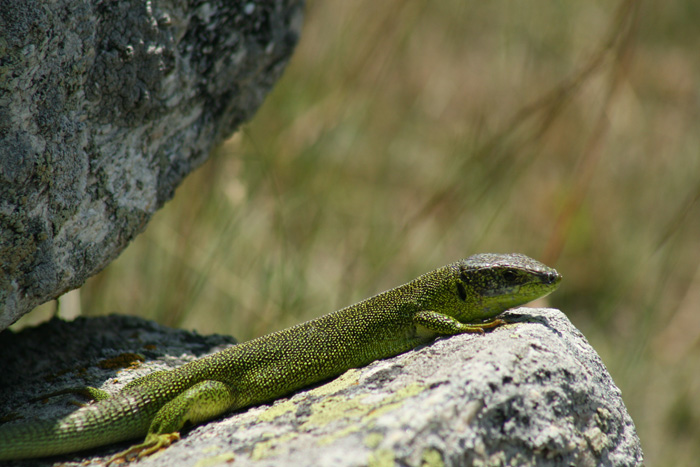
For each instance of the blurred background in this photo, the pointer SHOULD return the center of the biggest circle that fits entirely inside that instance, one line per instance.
(408, 134)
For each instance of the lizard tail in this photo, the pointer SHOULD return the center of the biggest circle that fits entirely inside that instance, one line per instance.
(65, 435)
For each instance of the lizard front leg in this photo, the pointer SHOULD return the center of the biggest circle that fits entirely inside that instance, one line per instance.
(439, 323)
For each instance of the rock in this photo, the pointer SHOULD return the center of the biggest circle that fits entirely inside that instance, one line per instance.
(529, 393)
(104, 108)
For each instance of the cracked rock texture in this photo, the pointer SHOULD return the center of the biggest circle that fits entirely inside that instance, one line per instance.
(529, 393)
(105, 106)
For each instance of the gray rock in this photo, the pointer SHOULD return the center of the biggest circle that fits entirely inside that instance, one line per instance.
(529, 393)
(104, 108)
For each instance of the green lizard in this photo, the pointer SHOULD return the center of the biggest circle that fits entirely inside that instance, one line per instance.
(465, 296)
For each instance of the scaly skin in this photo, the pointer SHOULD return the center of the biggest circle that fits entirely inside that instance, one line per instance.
(465, 296)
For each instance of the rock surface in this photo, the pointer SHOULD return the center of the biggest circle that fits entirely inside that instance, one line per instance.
(104, 108)
(529, 393)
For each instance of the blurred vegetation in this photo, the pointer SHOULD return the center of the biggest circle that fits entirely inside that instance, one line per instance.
(408, 134)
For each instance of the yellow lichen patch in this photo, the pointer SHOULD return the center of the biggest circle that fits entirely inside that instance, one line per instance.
(432, 458)
(339, 434)
(403, 393)
(343, 381)
(395, 400)
(339, 408)
(334, 408)
(372, 440)
(124, 360)
(381, 458)
(277, 410)
(227, 457)
(266, 448)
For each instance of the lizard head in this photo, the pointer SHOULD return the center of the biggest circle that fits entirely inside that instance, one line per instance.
(483, 286)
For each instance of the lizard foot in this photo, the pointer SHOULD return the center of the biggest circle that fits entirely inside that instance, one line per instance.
(491, 324)
(153, 443)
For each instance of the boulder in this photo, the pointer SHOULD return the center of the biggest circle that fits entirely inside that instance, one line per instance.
(104, 108)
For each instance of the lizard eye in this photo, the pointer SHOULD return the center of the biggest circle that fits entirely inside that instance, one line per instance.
(510, 276)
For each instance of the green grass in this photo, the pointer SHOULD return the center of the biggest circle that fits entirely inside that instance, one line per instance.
(405, 135)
